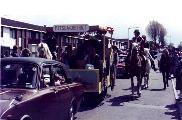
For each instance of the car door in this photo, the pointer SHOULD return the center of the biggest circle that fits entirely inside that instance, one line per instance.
(47, 95)
(64, 95)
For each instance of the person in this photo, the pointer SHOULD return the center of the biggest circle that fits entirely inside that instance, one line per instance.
(144, 43)
(54, 55)
(92, 57)
(26, 52)
(15, 51)
(68, 57)
(165, 67)
(145, 46)
(173, 62)
(137, 37)
(114, 63)
(178, 75)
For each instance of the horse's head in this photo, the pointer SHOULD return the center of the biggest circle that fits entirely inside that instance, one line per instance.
(44, 51)
(41, 50)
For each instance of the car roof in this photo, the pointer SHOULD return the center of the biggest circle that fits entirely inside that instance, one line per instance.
(34, 60)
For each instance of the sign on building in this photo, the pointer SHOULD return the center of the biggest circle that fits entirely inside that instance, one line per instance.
(71, 28)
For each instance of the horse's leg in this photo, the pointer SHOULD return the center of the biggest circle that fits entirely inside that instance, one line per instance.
(132, 85)
(167, 78)
(164, 81)
(147, 80)
(139, 82)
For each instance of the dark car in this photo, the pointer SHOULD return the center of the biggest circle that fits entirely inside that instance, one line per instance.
(121, 68)
(37, 89)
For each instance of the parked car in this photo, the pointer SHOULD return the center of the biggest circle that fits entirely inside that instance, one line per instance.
(37, 89)
(120, 68)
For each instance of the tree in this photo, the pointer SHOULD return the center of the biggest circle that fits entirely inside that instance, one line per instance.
(162, 34)
(156, 32)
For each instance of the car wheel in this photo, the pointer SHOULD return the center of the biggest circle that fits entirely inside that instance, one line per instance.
(71, 113)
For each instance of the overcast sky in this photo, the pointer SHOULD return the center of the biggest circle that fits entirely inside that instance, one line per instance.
(119, 14)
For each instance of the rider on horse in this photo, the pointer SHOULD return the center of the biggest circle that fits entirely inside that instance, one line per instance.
(142, 47)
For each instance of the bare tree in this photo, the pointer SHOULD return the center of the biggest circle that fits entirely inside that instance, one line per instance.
(156, 32)
(162, 34)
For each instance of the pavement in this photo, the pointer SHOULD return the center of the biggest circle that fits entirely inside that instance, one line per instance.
(154, 103)
(176, 94)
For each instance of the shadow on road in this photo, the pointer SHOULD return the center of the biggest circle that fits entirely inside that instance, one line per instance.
(116, 101)
(157, 89)
(92, 102)
(173, 111)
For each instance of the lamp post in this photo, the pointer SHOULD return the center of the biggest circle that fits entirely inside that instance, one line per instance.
(129, 35)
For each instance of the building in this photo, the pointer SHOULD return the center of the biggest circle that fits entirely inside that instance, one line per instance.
(22, 34)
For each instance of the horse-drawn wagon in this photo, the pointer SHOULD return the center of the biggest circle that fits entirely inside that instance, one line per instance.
(93, 64)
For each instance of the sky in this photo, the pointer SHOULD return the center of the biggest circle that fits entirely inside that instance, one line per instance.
(119, 14)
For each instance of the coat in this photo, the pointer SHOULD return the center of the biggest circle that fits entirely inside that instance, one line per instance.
(178, 75)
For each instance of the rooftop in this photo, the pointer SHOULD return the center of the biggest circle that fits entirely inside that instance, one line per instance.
(20, 25)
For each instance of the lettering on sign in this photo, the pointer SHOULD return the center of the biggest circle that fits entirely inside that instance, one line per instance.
(71, 28)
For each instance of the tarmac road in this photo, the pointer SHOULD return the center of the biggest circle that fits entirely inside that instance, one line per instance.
(154, 104)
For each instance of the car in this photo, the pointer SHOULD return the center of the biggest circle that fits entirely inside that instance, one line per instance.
(37, 89)
(120, 67)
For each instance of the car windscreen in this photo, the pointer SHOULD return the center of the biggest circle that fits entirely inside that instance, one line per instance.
(18, 75)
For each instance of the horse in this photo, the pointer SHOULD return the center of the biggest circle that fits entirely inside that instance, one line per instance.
(135, 67)
(148, 67)
(43, 51)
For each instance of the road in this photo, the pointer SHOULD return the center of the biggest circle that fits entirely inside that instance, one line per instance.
(154, 104)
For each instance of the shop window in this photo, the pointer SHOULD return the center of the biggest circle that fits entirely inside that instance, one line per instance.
(29, 34)
(37, 36)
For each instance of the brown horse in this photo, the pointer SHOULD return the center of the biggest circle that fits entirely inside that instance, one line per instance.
(135, 68)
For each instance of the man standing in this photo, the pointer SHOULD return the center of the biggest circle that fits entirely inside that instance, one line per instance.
(178, 75)
(165, 67)
(113, 66)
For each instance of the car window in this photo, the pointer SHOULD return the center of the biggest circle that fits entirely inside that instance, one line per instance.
(59, 75)
(18, 75)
